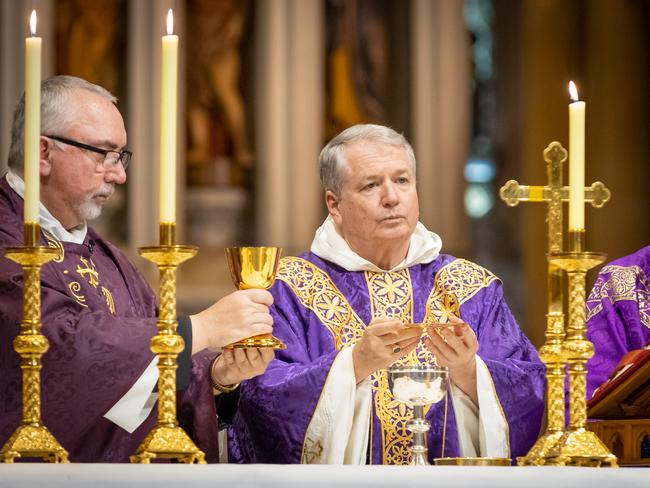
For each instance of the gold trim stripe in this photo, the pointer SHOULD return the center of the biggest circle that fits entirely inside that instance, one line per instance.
(621, 286)
(319, 294)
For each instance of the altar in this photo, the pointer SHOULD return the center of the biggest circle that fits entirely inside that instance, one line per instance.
(312, 476)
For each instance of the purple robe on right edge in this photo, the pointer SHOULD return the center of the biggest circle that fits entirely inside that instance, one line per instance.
(320, 309)
(618, 314)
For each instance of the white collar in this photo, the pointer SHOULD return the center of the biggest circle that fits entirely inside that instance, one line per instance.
(49, 224)
(330, 245)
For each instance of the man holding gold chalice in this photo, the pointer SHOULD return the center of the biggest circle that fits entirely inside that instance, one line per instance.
(374, 291)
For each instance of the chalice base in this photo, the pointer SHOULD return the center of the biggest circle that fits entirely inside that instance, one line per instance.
(541, 454)
(419, 456)
(33, 441)
(581, 447)
(262, 340)
(168, 443)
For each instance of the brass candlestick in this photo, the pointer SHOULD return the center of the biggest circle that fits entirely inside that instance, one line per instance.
(551, 353)
(32, 439)
(254, 267)
(167, 439)
(579, 446)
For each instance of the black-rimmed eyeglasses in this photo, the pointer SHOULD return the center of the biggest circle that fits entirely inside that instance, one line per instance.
(111, 158)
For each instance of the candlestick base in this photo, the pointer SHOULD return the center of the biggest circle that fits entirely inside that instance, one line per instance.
(544, 452)
(582, 447)
(33, 441)
(165, 442)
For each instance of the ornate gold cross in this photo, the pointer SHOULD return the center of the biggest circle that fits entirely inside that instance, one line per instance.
(551, 353)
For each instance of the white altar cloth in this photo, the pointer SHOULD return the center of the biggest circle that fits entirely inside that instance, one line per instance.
(282, 476)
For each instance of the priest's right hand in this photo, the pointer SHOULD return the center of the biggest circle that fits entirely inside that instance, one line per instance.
(239, 315)
(384, 341)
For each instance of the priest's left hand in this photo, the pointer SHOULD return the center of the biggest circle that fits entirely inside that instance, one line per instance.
(455, 347)
(237, 365)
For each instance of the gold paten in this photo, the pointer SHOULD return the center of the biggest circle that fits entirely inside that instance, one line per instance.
(254, 267)
(472, 461)
(167, 440)
(32, 439)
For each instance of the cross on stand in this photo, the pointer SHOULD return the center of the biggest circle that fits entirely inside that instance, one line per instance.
(551, 353)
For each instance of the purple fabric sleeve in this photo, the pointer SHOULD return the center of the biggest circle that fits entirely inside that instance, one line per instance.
(618, 311)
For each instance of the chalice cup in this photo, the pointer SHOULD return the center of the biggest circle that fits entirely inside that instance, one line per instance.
(417, 386)
(254, 267)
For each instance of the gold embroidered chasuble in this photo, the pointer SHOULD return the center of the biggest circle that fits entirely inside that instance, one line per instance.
(391, 295)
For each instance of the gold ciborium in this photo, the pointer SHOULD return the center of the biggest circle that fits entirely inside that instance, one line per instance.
(254, 267)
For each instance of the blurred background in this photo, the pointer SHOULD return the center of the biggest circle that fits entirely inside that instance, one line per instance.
(478, 86)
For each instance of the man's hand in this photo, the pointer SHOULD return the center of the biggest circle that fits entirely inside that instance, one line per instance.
(237, 365)
(384, 341)
(454, 346)
(242, 314)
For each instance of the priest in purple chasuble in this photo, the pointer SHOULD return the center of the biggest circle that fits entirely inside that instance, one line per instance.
(98, 313)
(618, 314)
(342, 308)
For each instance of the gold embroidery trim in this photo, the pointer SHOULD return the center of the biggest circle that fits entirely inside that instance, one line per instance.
(56, 244)
(319, 294)
(391, 295)
(109, 299)
(621, 286)
(89, 273)
(75, 288)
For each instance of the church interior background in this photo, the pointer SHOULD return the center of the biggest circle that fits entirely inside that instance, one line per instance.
(478, 86)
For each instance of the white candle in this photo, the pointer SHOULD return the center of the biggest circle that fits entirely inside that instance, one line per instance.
(168, 123)
(576, 161)
(32, 132)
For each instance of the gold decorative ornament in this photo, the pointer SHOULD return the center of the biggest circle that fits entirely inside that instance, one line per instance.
(167, 440)
(254, 267)
(552, 353)
(32, 439)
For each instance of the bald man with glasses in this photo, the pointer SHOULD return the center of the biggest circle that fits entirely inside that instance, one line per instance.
(98, 312)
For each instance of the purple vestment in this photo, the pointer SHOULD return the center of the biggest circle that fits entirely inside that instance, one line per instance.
(320, 309)
(618, 314)
(99, 316)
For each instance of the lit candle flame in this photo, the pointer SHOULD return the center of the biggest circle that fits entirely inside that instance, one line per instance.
(32, 23)
(573, 91)
(170, 22)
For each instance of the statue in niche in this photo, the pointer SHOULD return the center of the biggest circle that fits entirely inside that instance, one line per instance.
(89, 44)
(357, 63)
(219, 151)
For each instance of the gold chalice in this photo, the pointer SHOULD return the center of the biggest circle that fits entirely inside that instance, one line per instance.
(254, 267)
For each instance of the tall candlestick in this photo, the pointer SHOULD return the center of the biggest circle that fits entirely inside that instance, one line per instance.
(576, 161)
(32, 132)
(168, 123)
